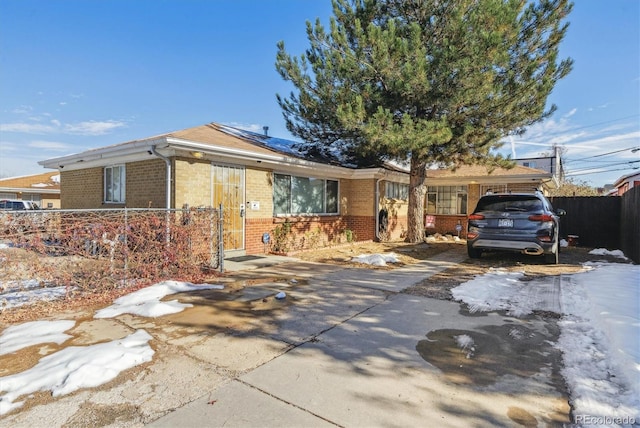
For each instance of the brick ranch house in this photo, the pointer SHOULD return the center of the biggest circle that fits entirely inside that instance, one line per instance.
(264, 184)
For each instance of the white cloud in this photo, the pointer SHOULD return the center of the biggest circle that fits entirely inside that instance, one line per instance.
(49, 145)
(92, 127)
(24, 109)
(28, 128)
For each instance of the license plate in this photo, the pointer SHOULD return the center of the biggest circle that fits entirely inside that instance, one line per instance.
(505, 222)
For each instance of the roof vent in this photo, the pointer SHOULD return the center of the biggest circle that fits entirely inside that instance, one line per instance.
(266, 131)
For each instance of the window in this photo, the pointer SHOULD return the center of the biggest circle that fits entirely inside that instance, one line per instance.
(530, 164)
(304, 195)
(449, 200)
(397, 191)
(114, 184)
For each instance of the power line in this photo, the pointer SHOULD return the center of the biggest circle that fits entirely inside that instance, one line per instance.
(610, 165)
(601, 172)
(603, 154)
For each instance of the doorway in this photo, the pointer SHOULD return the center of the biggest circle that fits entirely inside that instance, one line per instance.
(227, 183)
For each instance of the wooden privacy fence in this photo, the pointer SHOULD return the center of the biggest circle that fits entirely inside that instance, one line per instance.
(603, 221)
(122, 244)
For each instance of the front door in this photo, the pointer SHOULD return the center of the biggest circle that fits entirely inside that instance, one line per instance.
(228, 190)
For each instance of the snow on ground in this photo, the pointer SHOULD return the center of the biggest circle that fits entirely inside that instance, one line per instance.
(376, 259)
(20, 336)
(13, 299)
(76, 367)
(604, 252)
(600, 333)
(146, 301)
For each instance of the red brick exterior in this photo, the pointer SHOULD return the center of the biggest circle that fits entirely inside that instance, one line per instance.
(308, 232)
(446, 224)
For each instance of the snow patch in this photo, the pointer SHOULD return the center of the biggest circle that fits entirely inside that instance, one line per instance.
(146, 301)
(376, 259)
(604, 252)
(76, 367)
(600, 330)
(21, 336)
(30, 294)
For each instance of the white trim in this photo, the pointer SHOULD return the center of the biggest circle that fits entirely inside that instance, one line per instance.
(41, 190)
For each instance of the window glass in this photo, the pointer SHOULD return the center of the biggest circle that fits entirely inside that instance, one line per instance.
(114, 184)
(332, 197)
(304, 195)
(446, 200)
(281, 194)
(398, 191)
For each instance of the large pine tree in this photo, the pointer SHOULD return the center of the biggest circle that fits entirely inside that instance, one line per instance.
(424, 81)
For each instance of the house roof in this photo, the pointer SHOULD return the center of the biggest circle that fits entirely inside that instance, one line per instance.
(625, 178)
(465, 174)
(228, 144)
(48, 182)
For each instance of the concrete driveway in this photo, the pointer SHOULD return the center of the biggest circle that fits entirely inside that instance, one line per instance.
(346, 348)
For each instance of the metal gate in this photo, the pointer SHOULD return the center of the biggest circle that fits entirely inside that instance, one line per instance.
(228, 191)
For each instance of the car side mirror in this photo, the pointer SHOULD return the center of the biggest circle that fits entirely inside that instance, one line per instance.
(561, 212)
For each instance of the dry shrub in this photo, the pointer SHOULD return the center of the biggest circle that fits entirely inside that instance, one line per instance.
(108, 249)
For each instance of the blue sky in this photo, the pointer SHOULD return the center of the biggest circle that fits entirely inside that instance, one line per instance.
(76, 75)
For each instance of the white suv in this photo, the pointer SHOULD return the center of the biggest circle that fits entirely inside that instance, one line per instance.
(18, 205)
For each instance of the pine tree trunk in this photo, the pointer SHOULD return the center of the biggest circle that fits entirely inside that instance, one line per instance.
(417, 191)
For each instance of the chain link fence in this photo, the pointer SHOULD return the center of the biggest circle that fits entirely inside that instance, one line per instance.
(118, 245)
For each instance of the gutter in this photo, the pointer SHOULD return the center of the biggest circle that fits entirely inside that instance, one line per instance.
(167, 162)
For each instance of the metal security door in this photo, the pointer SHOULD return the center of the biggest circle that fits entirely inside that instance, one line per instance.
(228, 190)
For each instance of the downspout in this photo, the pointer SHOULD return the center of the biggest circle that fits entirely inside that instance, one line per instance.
(167, 161)
(377, 207)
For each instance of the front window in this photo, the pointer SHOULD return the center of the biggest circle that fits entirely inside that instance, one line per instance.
(398, 191)
(114, 184)
(446, 200)
(304, 195)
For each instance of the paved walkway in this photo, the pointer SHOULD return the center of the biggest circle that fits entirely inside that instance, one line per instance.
(347, 347)
(352, 350)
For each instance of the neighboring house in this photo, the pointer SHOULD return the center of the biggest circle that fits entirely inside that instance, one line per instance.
(43, 189)
(624, 183)
(552, 164)
(263, 182)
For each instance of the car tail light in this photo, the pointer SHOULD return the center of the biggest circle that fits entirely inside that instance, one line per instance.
(476, 217)
(471, 235)
(541, 217)
(544, 238)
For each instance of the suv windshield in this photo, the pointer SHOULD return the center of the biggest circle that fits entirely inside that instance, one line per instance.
(503, 203)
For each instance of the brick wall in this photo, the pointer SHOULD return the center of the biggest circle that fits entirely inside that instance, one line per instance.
(446, 224)
(192, 183)
(396, 217)
(146, 184)
(81, 189)
(360, 196)
(259, 189)
(306, 232)
(145, 187)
